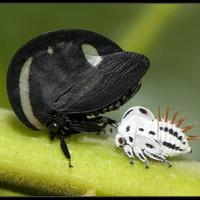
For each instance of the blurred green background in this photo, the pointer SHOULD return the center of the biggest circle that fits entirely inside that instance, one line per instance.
(168, 34)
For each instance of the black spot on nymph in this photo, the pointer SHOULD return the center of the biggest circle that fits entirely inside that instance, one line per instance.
(152, 132)
(141, 129)
(172, 146)
(130, 139)
(180, 137)
(171, 131)
(175, 134)
(127, 128)
(166, 129)
(149, 145)
(127, 113)
(143, 111)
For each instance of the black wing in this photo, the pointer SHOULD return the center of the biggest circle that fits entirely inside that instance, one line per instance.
(110, 80)
(57, 65)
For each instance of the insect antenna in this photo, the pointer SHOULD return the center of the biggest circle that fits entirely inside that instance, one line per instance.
(180, 121)
(174, 117)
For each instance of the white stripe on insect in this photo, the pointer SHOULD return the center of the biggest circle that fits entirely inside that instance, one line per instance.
(91, 54)
(25, 94)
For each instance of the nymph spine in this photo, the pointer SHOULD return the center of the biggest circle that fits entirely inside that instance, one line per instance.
(171, 135)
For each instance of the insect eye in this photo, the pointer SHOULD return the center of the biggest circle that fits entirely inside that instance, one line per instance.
(121, 141)
(53, 126)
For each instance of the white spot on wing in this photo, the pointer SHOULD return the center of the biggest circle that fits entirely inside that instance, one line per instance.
(25, 95)
(50, 50)
(91, 54)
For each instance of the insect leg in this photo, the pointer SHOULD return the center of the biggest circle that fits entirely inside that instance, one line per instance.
(55, 130)
(129, 152)
(157, 157)
(65, 150)
(141, 156)
(111, 122)
(52, 135)
(167, 161)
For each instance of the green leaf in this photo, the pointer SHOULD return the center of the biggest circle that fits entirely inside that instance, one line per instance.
(34, 164)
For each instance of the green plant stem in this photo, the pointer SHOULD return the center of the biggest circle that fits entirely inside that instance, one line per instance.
(9, 192)
(33, 163)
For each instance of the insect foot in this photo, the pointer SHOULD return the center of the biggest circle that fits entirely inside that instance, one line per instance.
(141, 134)
(146, 165)
(170, 165)
(132, 162)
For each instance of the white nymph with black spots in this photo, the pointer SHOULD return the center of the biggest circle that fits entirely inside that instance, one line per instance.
(140, 134)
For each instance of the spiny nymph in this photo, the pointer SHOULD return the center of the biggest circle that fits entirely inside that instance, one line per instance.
(140, 134)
